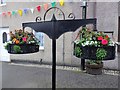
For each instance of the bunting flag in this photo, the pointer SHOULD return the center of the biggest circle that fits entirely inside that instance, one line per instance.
(9, 13)
(61, 2)
(4, 14)
(13, 13)
(38, 8)
(25, 10)
(20, 12)
(32, 10)
(53, 4)
(45, 6)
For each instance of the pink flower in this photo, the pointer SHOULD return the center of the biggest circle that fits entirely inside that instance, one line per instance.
(104, 41)
(24, 39)
(100, 38)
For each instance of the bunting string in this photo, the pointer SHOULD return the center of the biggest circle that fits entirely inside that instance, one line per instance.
(38, 8)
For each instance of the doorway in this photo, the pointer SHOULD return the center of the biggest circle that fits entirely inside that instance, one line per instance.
(4, 36)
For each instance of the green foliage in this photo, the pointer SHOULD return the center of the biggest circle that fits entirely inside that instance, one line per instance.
(78, 51)
(101, 53)
(94, 62)
(17, 49)
(6, 46)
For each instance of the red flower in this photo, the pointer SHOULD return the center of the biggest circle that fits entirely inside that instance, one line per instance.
(106, 37)
(100, 38)
(24, 39)
(104, 41)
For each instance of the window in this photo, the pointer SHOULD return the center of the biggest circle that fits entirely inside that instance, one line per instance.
(4, 37)
(40, 37)
(2, 2)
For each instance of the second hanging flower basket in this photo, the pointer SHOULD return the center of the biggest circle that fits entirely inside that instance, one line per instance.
(92, 45)
(95, 47)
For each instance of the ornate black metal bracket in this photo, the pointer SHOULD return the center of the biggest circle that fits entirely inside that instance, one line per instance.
(54, 29)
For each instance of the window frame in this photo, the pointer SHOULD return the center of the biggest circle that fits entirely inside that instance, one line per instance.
(42, 34)
(36, 34)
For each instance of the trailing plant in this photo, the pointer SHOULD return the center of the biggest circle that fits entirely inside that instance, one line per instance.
(78, 51)
(17, 49)
(101, 53)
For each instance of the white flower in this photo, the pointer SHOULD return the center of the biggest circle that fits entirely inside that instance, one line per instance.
(10, 42)
(95, 42)
(83, 44)
(87, 43)
(76, 41)
(5, 44)
(112, 43)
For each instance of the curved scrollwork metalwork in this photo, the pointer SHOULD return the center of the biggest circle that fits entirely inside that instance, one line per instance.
(38, 19)
(72, 16)
(53, 13)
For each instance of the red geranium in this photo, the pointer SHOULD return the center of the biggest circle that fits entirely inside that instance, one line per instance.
(104, 42)
(100, 38)
(106, 36)
(24, 39)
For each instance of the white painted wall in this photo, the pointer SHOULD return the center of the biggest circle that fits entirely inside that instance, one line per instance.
(4, 55)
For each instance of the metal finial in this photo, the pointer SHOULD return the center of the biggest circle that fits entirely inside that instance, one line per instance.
(53, 18)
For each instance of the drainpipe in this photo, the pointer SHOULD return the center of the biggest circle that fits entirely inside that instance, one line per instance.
(94, 13)
(63, 49)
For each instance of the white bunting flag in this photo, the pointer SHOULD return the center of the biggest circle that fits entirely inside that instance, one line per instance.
(32, 10)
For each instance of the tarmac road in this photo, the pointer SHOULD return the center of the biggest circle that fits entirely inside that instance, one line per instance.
(15, 76)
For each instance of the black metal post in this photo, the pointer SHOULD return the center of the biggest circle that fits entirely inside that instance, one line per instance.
(53, 54)
(84, 11)
(54, 64)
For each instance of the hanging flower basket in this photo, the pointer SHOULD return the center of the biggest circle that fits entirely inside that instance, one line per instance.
(93, 45)
(89, 52)
(22, 42)
(23, 48)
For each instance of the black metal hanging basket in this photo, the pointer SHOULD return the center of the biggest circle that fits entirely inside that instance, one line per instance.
(22, 48)
(89, 52)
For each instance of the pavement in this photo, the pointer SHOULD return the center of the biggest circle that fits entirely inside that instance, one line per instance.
(113, 64)
(38, 76)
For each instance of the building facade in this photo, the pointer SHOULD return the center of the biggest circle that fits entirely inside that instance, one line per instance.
(107, 15)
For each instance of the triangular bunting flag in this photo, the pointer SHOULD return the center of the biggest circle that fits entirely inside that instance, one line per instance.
(38, 8)
(25, 10)
(20, 12)
(61, 2)
(32, 10)
(45, 6)
(9, 13)
(13, 13)
(53, 4)
(4, 14)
